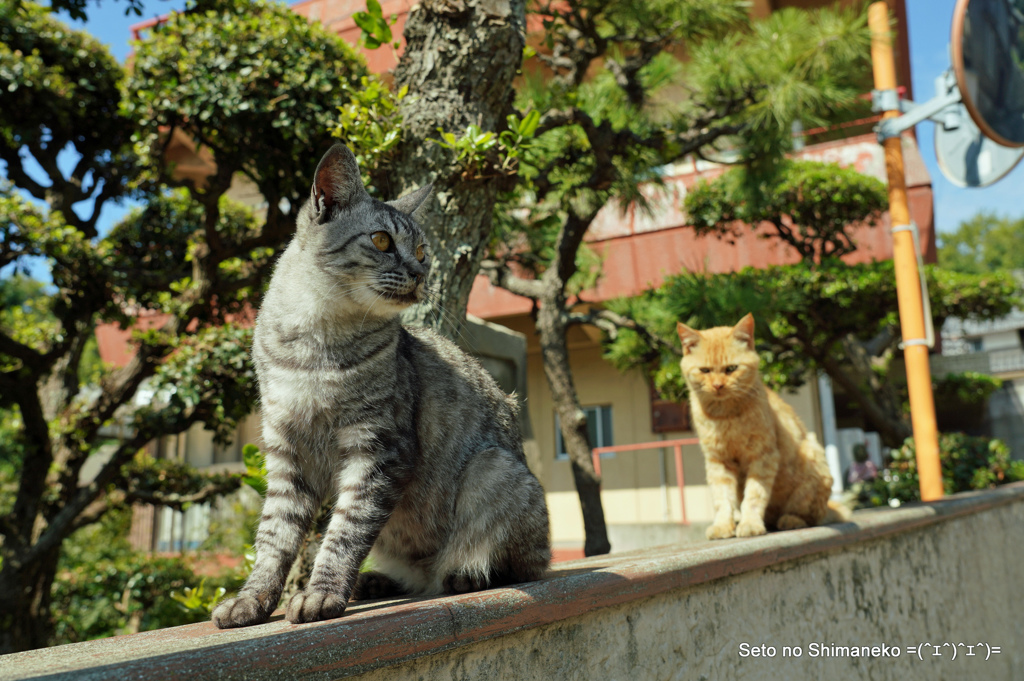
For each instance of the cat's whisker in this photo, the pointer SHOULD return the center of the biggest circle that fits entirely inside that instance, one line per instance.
(379, 296)
(447, 317)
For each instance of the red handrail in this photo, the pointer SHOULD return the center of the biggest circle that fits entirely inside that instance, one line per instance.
(677, 448)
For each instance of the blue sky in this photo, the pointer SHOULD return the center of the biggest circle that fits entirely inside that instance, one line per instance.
(929, 38)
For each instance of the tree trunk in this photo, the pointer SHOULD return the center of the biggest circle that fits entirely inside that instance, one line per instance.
(892, 429)
(551, 324)
(25, 619)
(460, 59)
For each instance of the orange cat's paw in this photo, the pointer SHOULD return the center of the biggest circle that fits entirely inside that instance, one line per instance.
(750, 528)
(791, 522)
(721, 531)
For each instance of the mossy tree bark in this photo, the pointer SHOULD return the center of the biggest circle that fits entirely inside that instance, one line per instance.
(460, 60)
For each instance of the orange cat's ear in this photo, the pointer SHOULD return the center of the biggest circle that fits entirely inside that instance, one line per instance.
(688, 337)
(744, 330)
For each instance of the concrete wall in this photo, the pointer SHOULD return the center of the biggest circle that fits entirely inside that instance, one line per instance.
(911, 579)
(926, 590)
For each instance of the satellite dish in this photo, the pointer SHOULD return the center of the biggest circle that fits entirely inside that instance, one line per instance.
(967, 157)
(988, 59)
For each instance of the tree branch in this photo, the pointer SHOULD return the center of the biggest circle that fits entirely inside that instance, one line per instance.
(611, 323)
(178, 501)
(30, 358)
(17, 174)
(501, 276)
(32, 482)
(67, 518)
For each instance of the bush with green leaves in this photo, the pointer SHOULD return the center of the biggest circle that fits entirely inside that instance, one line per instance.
(104, 587)
(969, 387)
(968, 463)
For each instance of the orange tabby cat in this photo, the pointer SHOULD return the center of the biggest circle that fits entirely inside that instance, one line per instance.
(763, 466)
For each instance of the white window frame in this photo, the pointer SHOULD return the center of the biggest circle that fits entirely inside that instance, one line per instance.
(595, 414)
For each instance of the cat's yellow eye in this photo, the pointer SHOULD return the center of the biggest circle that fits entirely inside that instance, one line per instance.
(731, 368)
(420, 253)
(382, 240)
(705, 370)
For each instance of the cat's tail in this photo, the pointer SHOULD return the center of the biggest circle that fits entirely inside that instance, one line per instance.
(837, 512)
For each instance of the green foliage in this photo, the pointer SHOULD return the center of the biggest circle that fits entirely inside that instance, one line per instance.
(969, 388)
(149, 254)
(253, 82)
(960, 400)
(371, 125)
(171, 480)
(795, 65)
(77, 271)
(982, 244)
(46, 67)
(12, 453)
(968, 463)
(26, 311)
(607, 134)
(197, 600)
(210, 374)
(802, 313)
(76, 9)
(472, 149)
(810, 205)
(375, 30)
(104, 587)
(255, 469)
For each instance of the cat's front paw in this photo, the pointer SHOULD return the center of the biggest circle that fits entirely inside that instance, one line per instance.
(315, 606)
(241, 611)
(750, 528)
(721, 531)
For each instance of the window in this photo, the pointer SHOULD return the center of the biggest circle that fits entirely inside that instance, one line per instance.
(599, 429)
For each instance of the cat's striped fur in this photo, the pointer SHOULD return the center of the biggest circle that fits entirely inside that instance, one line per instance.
(415, 443)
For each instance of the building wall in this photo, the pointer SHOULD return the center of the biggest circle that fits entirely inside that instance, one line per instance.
(1005, 418)
(1001, 340)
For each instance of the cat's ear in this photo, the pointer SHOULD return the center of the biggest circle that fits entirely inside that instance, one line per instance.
(744, 330)
(688, 337)
(337, 182)
(414, 203)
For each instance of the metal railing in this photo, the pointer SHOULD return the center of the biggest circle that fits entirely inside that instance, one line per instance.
(677, 449)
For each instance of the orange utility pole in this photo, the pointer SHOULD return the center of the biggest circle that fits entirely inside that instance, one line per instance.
(908, 281)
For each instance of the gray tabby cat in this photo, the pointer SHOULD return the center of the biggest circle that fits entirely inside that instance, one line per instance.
(414, 442)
